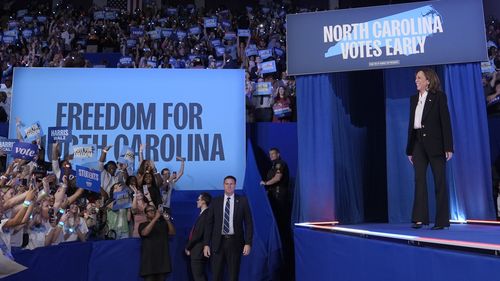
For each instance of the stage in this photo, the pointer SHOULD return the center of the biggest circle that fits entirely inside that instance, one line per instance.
(328, 251)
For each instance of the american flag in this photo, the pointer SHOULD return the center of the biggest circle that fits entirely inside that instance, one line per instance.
(128, 5)
(133, 5)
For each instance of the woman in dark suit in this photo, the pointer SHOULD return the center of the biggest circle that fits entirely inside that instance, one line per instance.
(430, 141)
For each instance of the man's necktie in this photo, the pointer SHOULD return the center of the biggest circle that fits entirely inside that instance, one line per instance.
(226, 216)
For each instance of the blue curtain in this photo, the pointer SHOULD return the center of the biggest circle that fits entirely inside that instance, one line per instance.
(470, 177)
(315, 175)
(331, 151)
(266, 256)
(468, 173)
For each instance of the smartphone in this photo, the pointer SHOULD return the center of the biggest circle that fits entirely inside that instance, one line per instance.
(160, 208)
(145, 189)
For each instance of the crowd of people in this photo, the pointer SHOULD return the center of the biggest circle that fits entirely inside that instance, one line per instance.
(491, 77)
(170, 37)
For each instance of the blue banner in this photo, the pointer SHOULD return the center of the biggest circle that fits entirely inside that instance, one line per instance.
(59, 134)
(88, 178)
(386, 36)
(24, 150)
(171, 116)
(122, 200)
(7, 144)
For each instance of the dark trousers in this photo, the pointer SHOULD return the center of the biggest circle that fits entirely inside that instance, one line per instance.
(229, 252)
(155, 277)
(198, 269)
(421, 160)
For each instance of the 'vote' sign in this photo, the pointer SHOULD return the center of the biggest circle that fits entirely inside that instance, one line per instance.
(24, 150)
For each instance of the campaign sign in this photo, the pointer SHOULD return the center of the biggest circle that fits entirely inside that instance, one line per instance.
(21, 13)
(59, 134)
(28, 19)
(216, 42)
(8, 39)
(487, 67)
(210, 22)
(268, 67)
(153, 110)
(7, 144)
(127, 154)
(226, 23)
(220, 50)
(33, 132)
(181, 34)
(264, 54)
(88, 178)
(27, 33)
(24, 150)
(264, 89)
(166, 32)
(111, 15)
(85, 153)
(244, 32)
(279, 52)
(131, 43)
(154, 34)
(126, 61)
(41, 19)
(99, 15)
(136, 32)
(171, 11)
(386, 36)
(251, 52)
(122, 200)
(230, 35)
(12, 24)
(195, 30)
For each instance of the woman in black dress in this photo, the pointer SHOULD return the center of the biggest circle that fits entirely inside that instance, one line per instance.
(155, 256)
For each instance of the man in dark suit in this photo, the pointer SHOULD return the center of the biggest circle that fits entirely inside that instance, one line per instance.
(194, 247)
(429, 142)
(229, 232)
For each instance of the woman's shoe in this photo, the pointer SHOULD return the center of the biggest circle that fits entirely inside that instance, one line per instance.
(438, 227)
(417, 225)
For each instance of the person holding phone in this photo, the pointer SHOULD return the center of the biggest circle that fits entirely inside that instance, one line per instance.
(168, 183)
(155, 254)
